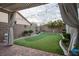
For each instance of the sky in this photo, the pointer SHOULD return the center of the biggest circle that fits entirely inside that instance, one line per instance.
(42, 14)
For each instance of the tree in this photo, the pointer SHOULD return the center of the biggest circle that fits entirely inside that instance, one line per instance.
(56, 24)
(50, 25)
(60, 24)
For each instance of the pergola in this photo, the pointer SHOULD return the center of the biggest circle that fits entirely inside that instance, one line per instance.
(11, 9)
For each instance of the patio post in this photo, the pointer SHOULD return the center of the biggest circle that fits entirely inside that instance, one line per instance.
(11, 19)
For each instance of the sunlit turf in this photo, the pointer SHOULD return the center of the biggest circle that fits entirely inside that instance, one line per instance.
(44, 41)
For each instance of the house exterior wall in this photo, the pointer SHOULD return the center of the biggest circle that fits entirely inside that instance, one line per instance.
(3, 17)
(19, 27)
(46, 29)
(21, 20)
(34, 27)
(3, 29)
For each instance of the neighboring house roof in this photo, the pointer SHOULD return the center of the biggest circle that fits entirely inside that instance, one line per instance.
(24, 18)
(20, 19)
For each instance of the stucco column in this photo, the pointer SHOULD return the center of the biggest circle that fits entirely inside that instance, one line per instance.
(73, 32)
(11, 19)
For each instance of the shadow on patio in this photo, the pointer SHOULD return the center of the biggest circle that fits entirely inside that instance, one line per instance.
(16, 50)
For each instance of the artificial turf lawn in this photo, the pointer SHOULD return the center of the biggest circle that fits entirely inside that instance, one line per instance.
(44, 41)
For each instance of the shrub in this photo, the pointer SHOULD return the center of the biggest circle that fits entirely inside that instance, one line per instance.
(65, 40)
(38, 32)
(66, 35)
(64, 32)
(25, 32)
(30, 31)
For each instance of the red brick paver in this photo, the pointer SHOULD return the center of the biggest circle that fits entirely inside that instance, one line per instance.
(16, 50)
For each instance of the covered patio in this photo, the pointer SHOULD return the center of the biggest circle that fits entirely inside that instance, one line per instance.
(11, 9)
(10, 50)
(69, 13)
(14, 50)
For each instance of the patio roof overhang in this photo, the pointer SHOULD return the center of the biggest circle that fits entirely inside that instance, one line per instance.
(77, 5)
(12, 7)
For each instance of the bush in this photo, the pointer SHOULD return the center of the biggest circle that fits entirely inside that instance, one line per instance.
(64, 32)
(66, 35)
(30, 31)
(65, 40)
(25, 32)
(38, 32)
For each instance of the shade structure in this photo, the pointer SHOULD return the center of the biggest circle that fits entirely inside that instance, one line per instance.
(11, 7)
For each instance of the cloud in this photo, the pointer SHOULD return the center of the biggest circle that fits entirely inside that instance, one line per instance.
(42, 13)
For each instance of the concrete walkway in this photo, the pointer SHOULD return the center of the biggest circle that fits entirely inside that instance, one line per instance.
(16, 50)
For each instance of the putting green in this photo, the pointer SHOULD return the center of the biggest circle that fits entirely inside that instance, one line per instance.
(44, 41)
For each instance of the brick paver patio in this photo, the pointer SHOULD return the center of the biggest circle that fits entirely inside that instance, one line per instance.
(16, 50)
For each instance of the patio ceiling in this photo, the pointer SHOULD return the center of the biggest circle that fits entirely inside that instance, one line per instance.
(77, 5)
(11, 7)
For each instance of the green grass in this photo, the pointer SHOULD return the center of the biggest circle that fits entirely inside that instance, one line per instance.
(45, 41)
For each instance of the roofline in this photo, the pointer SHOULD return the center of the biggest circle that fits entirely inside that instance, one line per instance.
(24, 18)
(4, 7)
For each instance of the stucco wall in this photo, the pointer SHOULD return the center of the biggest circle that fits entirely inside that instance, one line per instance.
(18, 28)
(21, 20)
(3, 17)
(46, 29)
(18, 19)
(3, 29)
